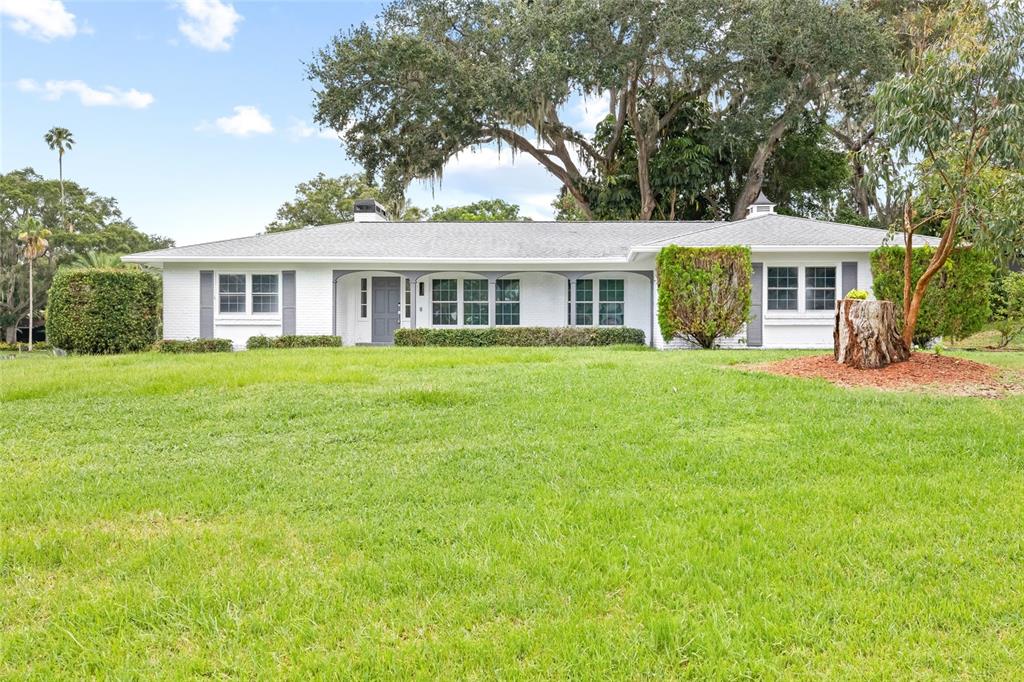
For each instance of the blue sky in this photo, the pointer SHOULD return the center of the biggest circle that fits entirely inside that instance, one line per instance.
(196, 115)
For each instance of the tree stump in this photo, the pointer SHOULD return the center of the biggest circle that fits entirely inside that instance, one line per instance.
(867, 335)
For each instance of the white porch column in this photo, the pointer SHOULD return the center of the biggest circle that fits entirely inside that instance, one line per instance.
(492, 294)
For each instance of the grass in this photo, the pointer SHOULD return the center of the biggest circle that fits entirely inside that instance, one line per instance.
(447, 513)
(987, 339)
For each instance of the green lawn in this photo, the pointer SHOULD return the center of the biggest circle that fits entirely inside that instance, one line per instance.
(501, 513)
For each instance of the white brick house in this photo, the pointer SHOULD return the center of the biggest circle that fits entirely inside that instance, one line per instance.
(364, 279)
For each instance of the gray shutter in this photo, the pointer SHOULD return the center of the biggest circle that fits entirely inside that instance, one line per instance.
(849, 277)
(755, 323)
(206, 304)
(288, 302)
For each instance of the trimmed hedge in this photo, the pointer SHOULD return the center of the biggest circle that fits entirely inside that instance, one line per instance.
(194, 346)
(23, 347)
(103, 310)
(292, 341)
(703, 293)
(520, 336)
(957, 301)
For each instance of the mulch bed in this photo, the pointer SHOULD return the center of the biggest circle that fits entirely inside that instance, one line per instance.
(923, 371)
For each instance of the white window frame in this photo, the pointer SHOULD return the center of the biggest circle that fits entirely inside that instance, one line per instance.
(801, 312)
(248, 314)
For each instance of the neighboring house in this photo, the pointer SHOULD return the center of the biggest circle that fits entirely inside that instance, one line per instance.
(365, 279)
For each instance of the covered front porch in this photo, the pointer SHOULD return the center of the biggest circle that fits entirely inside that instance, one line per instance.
(370, 305)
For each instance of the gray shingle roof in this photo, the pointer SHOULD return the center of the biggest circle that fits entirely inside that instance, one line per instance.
(774, 230)
(515, 241)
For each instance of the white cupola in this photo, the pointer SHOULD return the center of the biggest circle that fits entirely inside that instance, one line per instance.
(368, 211)
(761, 206)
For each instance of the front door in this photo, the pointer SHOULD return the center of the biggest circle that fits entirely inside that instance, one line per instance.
(386, 308)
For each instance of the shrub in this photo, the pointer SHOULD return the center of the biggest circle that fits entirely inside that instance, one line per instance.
(956, 303)
(520, 336)
(1008, 307)
(194, 346)
(703, 293)
(857, 295)
(97, 310)
(292, 341)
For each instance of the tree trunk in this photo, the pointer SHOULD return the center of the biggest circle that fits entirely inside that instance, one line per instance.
(31, 305)
(867, 335)
(755, 173)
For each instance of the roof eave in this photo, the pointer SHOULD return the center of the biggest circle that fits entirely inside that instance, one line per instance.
(156, 258)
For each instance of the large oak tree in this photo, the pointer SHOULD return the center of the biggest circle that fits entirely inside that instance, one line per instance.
(430, 79)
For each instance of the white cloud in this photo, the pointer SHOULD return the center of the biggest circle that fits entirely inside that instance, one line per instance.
(590, 110)
(40, 19)
(108, 96)
(247, 121)
(209, 24)
(300, 130)
(477, 159)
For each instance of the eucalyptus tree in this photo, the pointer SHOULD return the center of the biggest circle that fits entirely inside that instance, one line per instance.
(953, 125)
(430, 79)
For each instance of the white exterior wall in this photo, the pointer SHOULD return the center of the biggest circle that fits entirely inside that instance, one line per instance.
(313, 299)
(799, 328)
(543, 300)
(181, 302)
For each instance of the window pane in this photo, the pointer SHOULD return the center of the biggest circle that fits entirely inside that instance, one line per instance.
(584, 302)
(264, 293)
(363, 297)
(506, 313)
(506, 310)
(474, 290)
(613, 290)
(475, 314)
(232, 293)
(782, 289)
(264, 284)
(445, 313)
(610, 314)
(408, 297)
(585, 290)
(507, 289)
(445, 294)
(820, 288)
(445, 289)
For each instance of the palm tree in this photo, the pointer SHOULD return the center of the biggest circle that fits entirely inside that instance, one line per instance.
(34, 237)
(98, 259)
(61, 140)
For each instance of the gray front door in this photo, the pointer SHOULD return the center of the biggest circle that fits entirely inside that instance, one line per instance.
(386, 307)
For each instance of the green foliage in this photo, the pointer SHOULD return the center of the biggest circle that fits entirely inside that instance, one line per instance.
(479, 211)
(428, 80)
(292, 341)
(955, 305)
(23, 347)
(1008, 307)
(193, 346)
(857, 294)
(703, 293)
(94, 224)
(325, 200)
(953, 127)
(520, 336)
(103, 310)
